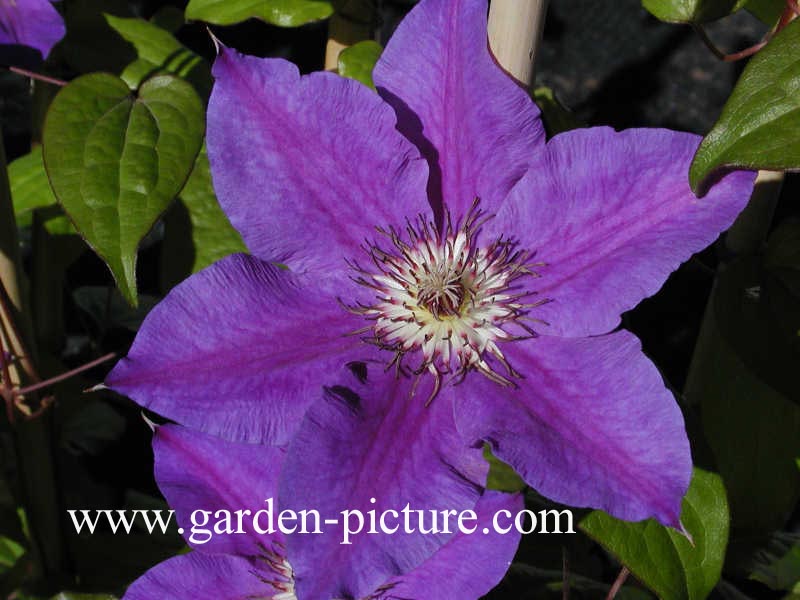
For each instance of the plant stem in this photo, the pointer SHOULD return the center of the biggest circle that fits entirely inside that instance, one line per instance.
(515, 31)
(32, 439)
(618, 583)
(10, 331)
(37, 76)
(67, 375)
(700, 30)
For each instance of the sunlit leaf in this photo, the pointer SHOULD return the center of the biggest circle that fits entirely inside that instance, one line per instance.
(357, 61)
(10, 553)
(285, 13)
(760, 124)
(30, 188)
(159, 52)
(115, 160)
(662, 558)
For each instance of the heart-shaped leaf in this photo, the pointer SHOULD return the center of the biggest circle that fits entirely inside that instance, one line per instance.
(662, 558)
(115, 160)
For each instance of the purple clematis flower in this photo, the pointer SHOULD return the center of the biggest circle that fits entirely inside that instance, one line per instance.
(197, 470)
(485, 268)
(32, 23)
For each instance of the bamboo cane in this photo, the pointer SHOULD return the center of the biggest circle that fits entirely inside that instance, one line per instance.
(515, 31)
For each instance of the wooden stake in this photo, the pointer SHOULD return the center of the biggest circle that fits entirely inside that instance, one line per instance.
(515, 30)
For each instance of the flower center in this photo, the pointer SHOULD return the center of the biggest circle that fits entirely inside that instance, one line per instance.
(448, 300)
(442, 293)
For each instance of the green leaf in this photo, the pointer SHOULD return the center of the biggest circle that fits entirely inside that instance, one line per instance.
(10, 522)
(501, 475)
(782, 572)
(285, 13)
(768, 11)
(357, 61)
(57, 223)
(748, 305)
(159, 52)
(10, 553)
(115, 160)
(760, 123)
(557, 118)
(744, 380)
(30, 188)
(197, 231)
(662, 558)
(692, 11)
(169, 18)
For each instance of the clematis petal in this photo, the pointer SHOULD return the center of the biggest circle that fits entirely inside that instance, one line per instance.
(384, 444)
(196, 471)
(468, 566)
(478, 129)
(612, 215)
(590, 425)
(33, 23)
(306, 167)
(238, 350)
(198, 576)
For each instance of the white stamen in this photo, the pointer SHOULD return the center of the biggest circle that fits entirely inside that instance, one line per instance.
(447, 299)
